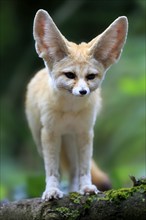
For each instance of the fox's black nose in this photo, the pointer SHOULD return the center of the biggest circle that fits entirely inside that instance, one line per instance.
(83, 92)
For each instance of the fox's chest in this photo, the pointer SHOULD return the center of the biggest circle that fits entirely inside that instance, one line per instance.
(69, 122)
(69, 114)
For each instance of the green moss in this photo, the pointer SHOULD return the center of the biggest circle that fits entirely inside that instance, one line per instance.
(123, 193)
(90, 199)
(67, 213)
(62, 210)
(75, 197)
(142, 181)
(79, 205)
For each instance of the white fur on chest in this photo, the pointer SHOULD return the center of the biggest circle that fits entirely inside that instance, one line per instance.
(69, 115)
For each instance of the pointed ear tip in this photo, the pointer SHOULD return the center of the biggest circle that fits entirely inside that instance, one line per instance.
(123, 19)
(41, 12)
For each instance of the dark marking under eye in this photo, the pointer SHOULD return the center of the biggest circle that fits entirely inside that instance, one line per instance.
(70, 75)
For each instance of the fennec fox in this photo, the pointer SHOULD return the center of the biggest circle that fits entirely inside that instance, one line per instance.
(63, 100)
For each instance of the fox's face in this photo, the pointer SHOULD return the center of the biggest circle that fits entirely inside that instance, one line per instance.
(78, 69)
(78, 73)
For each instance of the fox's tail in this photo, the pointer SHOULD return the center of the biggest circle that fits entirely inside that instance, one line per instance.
(99, 178)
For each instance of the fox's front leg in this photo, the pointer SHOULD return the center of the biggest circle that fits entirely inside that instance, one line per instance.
(85, 145)
(51, 149)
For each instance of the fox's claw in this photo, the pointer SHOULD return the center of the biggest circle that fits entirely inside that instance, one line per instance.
(88, 190)
(52, 193)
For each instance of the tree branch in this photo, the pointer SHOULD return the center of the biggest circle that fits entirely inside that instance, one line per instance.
(124, 203)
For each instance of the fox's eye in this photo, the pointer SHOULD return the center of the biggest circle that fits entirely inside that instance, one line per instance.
(70, 75)
(90, 76)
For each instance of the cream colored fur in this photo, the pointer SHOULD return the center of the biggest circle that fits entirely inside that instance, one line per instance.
(63, 99)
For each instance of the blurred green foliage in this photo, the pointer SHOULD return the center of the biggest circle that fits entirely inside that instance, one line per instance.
(120, 129)
(122, 120)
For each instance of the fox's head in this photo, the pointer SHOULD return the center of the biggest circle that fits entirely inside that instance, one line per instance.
(78, 69)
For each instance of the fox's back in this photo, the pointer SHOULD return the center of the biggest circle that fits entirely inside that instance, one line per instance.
(37, 89)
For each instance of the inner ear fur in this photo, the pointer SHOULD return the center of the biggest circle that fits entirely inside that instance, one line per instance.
(50, 43)
(107, 47)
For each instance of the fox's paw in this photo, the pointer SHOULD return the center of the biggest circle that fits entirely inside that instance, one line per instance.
(52, 193)
(88, 190)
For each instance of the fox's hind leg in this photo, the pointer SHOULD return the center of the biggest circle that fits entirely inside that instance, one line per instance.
(85, 146)
(69, 160)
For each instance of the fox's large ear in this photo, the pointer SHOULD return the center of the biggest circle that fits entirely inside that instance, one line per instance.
(107, 47)
(50, 43)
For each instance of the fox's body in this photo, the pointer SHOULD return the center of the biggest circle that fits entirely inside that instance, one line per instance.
(63, 101)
